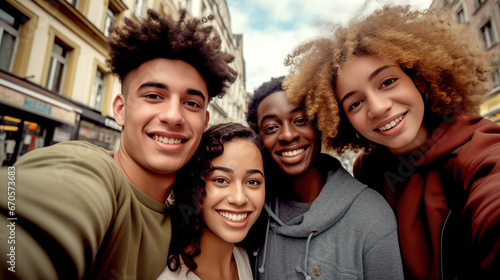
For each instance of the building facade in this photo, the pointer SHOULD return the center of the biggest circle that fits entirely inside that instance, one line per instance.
(484, 17)
(54, 82)
(233, 106)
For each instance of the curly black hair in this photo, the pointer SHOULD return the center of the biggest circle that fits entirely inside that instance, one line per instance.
(189, 191)
(263, 91)
(161, 36)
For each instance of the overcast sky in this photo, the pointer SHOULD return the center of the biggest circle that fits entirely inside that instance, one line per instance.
(272, 28)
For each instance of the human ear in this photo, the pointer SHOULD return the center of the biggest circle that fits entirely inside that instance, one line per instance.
(119, 109)
(207, 119)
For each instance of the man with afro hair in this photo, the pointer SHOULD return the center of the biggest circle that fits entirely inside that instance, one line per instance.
(85, 215)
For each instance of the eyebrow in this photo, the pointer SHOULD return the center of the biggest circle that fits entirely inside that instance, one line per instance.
(270, 116)
(229, 170)
(165, 87)
(154, 85)
(371, 77)
(196, 93)
(255, 171)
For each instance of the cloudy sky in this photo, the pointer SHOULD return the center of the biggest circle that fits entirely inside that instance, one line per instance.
(272, 28)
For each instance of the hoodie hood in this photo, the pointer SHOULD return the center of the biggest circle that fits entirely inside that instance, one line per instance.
(333, 236)
(323, 213)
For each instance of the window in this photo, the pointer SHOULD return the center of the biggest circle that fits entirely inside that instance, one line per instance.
(58, 61)
(488, 35)
(461, 19)
(73, 3)
(98, 91)
(478, 3)
(139, 8)
(109, 21)
(496, 77)
(10, 26)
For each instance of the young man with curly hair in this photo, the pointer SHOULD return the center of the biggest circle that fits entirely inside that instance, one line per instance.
(405, 86)
(83, 214)
(320, 220)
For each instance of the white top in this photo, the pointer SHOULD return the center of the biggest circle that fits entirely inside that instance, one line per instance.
(183, 273)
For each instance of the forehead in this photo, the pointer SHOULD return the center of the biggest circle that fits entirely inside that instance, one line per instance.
(173, 72)
(364, 62)
(239, 153)
(274, 103)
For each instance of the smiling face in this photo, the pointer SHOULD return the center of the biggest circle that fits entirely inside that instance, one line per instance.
(163, 116)
(235, 191)
(382, 103)
(287, 134)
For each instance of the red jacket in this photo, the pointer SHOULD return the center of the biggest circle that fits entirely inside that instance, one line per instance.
(412, 185)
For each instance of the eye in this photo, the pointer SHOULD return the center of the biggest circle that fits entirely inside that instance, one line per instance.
(302, 121)
(388, 82)
(154, 96)
(220, 181)
(254, 182)
(270, 129)
(193, 104)
(354, 105)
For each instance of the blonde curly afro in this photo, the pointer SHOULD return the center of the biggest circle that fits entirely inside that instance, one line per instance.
(444, 60)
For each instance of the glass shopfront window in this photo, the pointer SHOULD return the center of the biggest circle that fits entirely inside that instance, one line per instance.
(106, 138)
(17, 137)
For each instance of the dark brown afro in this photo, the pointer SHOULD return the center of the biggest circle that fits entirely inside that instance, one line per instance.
(161, 36)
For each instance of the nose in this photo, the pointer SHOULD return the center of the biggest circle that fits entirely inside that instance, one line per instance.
(378, 104)
(171, 112)
(238, 196)
(288, 133)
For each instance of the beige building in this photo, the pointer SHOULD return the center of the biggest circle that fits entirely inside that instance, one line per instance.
(233, 106)
(54, 83)
(483, 16)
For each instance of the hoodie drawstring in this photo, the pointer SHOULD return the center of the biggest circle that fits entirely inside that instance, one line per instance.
(307, 254)
(264, 251)
(261, 269)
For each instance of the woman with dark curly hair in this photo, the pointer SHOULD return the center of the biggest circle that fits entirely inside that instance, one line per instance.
(404, 86)
(218, 196)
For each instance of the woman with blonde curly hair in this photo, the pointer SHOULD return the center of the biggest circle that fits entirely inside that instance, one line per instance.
(404, 87)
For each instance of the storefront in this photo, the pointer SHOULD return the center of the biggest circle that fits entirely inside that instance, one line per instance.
(99, 130)
(32, 117)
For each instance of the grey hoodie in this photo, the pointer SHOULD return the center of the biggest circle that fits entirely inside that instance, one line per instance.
(349, 232)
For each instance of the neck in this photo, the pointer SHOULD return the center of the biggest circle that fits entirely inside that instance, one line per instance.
(216, 259)
(306, 187)
(156, 186)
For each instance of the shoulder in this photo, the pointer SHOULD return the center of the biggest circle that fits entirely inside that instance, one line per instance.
(371, 214)
(70, 165)
(481, 149)
(373, 204)
(243, 263)
(182, 273)
(240, 254)
(65, 152)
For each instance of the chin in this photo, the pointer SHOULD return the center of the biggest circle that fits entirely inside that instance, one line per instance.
(234, 239)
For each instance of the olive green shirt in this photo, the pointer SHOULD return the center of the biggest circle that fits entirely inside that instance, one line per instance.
(75, 215)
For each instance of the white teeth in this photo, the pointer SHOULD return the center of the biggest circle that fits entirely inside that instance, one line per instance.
(167, 140)
(392, 124)
(233, 217)
(292, 153)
